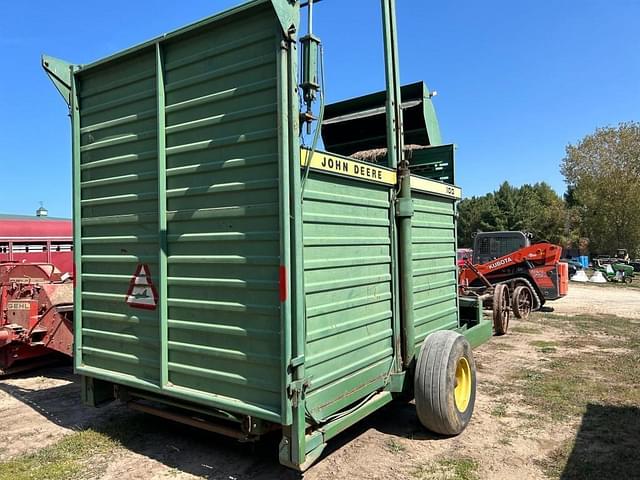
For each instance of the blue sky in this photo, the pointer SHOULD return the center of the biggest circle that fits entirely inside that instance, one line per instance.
(517, 81)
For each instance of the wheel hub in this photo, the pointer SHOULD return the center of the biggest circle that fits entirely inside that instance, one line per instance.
(462, 391)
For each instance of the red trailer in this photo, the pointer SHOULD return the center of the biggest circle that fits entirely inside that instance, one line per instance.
(37, 240)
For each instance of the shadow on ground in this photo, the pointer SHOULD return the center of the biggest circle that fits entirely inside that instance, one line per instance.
(188, 449)
(54, 393)
(606, 446)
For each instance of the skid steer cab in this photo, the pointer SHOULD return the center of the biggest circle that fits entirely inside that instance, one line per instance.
(511, 275)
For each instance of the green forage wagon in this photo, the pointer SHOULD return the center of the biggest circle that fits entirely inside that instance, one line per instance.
(231, 278)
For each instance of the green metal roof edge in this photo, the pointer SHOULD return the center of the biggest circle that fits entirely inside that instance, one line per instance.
(10, 216)
(287, 13)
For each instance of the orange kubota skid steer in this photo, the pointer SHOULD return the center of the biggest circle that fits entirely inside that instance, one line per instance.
(520, 281)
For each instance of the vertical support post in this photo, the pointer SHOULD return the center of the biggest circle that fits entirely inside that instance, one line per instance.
(285, 231)
(396, 159)
(77, 221)
(298, 438)
(392, 117)
(395, 133)
(396, 324)
(293, 447)
(454, 175)
(163, 309)
(404, 212)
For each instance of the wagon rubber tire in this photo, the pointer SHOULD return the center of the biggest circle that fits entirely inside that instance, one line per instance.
(522, 301)
(445, 383)
(501, 309)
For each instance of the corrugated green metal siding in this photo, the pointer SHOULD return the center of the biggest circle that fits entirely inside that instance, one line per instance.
(347, 260)
(222, 211)
(434, 264)
(119, 213)
(222, 207)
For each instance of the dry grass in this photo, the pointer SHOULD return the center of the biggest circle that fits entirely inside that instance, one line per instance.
(395, 446)
(463, 468)
(375, 155)
(79, 455)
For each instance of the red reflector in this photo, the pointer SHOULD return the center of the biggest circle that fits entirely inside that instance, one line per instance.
(283, 283)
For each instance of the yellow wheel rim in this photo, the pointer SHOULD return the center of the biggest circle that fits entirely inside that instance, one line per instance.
(462, 390)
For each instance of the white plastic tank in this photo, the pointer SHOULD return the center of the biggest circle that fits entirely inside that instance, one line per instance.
(580, 276)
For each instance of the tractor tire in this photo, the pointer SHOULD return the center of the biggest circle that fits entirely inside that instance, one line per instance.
(628, 279)
(522, 301)
(501, 310)
(445, 383)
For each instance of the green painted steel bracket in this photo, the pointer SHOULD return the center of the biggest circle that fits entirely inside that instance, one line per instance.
(297, 361)
(288, 13)
(404, 207)
(96, 393)
(397, 382)
(296, 390)
(59, 72)
(315, 445)
(316, 442)
(479, 334)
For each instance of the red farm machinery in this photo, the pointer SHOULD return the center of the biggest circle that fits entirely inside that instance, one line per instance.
(36, 292)
(512, 275)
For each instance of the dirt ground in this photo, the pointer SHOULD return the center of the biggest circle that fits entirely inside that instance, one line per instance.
(596, 299)
(503, 441)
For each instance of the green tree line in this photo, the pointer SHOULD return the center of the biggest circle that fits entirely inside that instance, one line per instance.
(537, 209)
(600, 211)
